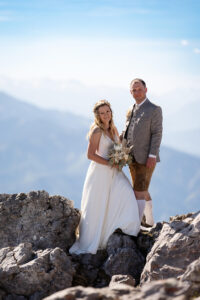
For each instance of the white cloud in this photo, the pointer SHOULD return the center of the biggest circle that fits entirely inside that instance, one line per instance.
(184, 42)
(197, 50)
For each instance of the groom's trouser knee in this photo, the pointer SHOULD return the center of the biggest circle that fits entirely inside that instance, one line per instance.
(141, 177)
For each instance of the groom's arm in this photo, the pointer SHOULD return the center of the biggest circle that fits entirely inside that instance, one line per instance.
(156, 131)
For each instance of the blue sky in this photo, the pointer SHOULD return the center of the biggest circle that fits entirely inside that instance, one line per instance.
(68, 54)
(133, 19)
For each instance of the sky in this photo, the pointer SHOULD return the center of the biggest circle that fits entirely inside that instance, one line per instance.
(67, 55)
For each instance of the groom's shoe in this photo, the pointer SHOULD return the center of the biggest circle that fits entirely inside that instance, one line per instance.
(149, 213)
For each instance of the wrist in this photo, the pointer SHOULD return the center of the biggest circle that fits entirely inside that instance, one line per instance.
(152, 155)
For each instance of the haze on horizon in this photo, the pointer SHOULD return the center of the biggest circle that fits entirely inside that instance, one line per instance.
(66, 55)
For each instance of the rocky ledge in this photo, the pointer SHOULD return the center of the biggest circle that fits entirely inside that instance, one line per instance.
(36, 231)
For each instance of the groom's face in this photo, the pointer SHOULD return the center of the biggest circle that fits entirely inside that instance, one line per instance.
(138, 91)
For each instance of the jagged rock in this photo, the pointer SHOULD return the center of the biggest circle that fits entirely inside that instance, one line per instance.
(89, 293)
(192, 272)
(192, 275)
(14, 297)
(89, 269)
(2, 294)
(122, 279)
(124, 256)
(26, 272)
(167, 289)
(146, 238)
(164, 289)
(175, 248)
(31, 267)
(44, 221)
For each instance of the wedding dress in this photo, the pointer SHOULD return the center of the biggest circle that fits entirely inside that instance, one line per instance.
(108, 202)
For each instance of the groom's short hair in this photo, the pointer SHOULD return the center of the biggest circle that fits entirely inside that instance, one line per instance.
(140, 80)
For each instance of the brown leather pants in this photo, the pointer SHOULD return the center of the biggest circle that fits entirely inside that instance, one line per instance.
(141, 177)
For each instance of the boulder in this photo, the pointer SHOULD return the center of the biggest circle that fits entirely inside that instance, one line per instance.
(25, 272)
(124, 257)
(167, 289)
(192, 275)
(42, 220)
(122, 279)
(90, 293)
(176, 247)
(89, 269)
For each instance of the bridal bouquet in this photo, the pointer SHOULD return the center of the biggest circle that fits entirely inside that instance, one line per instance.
(119, 155)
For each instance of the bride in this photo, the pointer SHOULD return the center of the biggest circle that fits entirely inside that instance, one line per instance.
(108, 201)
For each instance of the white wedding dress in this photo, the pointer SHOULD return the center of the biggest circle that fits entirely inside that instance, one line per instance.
(108, 202)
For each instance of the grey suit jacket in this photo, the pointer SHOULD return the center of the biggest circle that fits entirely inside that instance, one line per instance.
(147, 131)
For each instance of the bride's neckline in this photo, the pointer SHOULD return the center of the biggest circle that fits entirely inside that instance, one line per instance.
(108, 137)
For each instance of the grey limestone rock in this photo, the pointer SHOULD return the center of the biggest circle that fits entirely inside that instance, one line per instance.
(90, 293)
(122, 279)
(24, 272)
(192, 276)
(177, 246)
(42, 220)
(89, 269)
(124, 257)
(167, 289)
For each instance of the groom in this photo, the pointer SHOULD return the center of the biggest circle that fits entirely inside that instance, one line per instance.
(143, 131)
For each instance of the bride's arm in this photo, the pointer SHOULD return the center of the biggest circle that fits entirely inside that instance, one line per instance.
(93, 147)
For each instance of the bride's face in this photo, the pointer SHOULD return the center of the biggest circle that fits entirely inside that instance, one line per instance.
(105, 114)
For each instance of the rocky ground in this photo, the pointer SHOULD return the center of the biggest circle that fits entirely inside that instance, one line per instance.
(36, 231)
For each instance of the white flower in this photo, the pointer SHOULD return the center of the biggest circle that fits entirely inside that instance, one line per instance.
(126, 156)
(117, 147)
(119, 155)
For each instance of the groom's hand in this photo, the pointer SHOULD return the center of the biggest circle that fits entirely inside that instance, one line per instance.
(151, 162)
(121, 137)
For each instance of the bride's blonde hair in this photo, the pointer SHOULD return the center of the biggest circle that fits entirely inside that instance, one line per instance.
(97, 120)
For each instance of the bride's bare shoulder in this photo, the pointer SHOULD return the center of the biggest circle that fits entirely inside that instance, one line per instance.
(96, 130)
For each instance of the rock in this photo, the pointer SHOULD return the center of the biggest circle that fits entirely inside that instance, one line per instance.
(15, 297)
(192, 272)
(42, 220)
(124, 257)
(2, 294)
(26, 272)
(164, 289)
(167, 289)
(37, 231)
(192, 275)
(122, 279)
(89, 293)
(89, 269)
(175, 248)
(146, 238)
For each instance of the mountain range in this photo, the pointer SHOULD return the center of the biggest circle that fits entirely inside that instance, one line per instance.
(46, 150)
